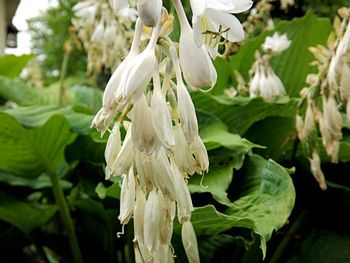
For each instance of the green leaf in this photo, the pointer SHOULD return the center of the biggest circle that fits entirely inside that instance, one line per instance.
(22, 94)
(112, 191)
(219, 178)
(214, 134)
(11, 65)
(292, 66)
(277, 134)
(25, 95)
(241, 113)
(24, 215)
(40, 182)
(35, 116)
(265, 197)
(29, 152)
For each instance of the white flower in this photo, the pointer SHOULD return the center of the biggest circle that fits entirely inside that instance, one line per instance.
(123, 10)
(151, 222)
(201, 155)
(182, 152)
(183, 197)
(187, 113)
(143, 134)
(276, 43)
(125, 157)
(136, 77)
(127, 197)
(196, 65)
(189, 242)
(149, 11)
(139, 72)
(214, 16)
(112, 148)
(161, 118)
(139, 214)
(167, 215)
(97, 36)
(266, 83)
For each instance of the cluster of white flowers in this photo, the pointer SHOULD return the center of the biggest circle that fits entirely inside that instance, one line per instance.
(162, 148)
(265, 82)
(105, 28)
(328, 89)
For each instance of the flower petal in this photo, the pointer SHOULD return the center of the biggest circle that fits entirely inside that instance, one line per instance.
(217, 18)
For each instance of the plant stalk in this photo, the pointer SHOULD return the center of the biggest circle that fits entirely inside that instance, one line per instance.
(66, 50)
(65, 217)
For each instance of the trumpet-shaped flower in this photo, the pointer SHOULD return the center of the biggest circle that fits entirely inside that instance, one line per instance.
(203, 73)
(212, 20)
(127, 197)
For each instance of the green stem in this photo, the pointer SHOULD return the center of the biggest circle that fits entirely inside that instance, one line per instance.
(65, 217)
(286, 240)
(62, 75)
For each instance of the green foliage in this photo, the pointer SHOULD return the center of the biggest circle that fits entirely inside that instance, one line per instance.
(264, 202)
(49, 32)
(11, 65)
(24, 215)
(30, 152)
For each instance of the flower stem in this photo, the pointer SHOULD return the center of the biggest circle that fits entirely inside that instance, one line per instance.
(66, 51)
(65, 217)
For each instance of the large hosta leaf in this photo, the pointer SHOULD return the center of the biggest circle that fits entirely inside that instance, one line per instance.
(35, 116)
(292, 66)
(241, 113)
(23, 94)
(29, 152)
(24, 215)
(215, 133)
(265, 197)
(11, 65)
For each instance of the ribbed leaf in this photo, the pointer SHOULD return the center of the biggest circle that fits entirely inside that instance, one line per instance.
(29, 152)
(241, 113)
(265, 198)
(35, 116)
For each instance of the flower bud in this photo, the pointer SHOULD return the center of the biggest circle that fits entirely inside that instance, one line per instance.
(137, 75)
(112, 148)
(125, 157)
(127, 197)
(161, 118)
(143, 134)
(151, 222)
(149, 11)
(189, 242)
(139, 214)
(182, 152)
(187, 113)
(202, 73)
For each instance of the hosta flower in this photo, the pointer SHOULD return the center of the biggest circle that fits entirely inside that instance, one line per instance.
(267, 84)
(149, 11)
(190, 242)
(276, 44)
(127, 197)
(151, 222)
(212, 19)
(202, 73)
(143, 134)
(161, 118)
